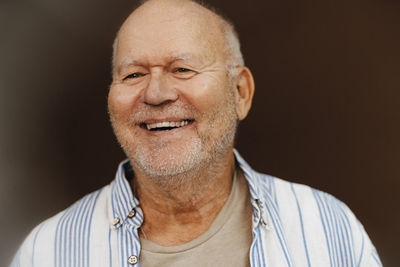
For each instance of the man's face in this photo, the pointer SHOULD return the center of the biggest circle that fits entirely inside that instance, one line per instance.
(171, 102)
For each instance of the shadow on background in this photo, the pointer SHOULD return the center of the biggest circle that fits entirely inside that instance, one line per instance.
(326, 110)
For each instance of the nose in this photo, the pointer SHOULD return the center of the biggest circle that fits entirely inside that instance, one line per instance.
(158, 91)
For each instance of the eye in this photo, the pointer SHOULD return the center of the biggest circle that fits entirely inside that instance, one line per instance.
(182, 70)
(183, 73)
(133, 76)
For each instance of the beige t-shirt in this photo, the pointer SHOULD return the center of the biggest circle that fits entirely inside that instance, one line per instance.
(226, 243)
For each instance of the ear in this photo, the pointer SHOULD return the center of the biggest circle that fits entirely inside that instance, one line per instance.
(244, 92)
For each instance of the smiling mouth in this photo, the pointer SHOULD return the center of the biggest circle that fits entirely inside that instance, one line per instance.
(165, 125)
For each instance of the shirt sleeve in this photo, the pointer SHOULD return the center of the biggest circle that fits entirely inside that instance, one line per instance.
(366, 254)
(24, 256)
(37, 250)
(369, 257)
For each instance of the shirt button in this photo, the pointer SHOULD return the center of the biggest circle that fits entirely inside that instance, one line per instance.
(132, 213)
(132, 260)
(116, 221)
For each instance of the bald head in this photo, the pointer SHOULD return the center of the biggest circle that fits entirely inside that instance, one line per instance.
(217, 32)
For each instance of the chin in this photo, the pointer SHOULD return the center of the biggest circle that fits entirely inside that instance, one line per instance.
(168, 160)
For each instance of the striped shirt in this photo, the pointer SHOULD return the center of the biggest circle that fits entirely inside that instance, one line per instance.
(292, 225)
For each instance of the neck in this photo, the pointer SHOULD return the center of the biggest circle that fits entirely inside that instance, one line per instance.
(177, 214)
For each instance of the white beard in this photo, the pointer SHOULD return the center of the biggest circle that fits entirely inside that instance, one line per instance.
(169, 165)
(161, 160)
(165, 160)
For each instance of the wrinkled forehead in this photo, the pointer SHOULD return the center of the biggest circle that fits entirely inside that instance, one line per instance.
(162, 29)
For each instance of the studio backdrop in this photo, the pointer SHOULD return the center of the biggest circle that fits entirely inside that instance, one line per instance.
(326, 110)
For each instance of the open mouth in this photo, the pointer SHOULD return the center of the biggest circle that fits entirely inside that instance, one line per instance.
(165, 125)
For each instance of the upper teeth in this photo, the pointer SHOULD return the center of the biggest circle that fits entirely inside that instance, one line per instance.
(166, 124)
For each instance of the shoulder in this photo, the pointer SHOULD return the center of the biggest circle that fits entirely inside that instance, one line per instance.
(288, 196)
(313, 204)
(70, 226)
(325, 224)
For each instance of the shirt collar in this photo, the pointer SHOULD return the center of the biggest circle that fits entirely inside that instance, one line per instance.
(259, 193)
(123, 201)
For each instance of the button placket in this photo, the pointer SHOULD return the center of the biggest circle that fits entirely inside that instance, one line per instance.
(130, 225)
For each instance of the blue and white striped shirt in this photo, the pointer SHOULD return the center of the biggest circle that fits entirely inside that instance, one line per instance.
(293, 225)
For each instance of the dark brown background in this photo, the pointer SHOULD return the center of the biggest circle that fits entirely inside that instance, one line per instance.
(326, 110)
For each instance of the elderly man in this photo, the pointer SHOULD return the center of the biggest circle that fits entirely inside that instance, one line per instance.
(185, 197)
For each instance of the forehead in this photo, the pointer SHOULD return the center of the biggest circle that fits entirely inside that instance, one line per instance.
(167, 31)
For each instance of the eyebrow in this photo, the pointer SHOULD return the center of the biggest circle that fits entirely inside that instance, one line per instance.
(133, 62)
(126, 63)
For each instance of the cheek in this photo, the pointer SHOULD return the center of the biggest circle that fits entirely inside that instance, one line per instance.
(205, 94)
(121, 101)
